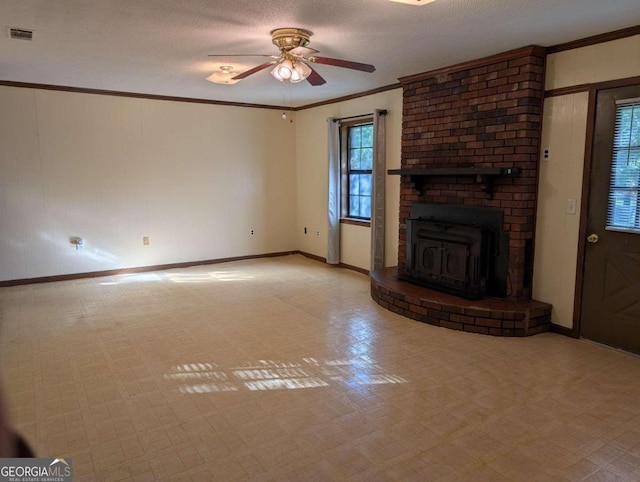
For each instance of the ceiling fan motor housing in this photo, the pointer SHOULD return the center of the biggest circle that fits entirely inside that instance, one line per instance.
(290, 38)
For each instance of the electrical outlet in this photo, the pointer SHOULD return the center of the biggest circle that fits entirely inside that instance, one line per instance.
(145, 241)
(546, 154)
(317, 233)
(78, 242)
(252, 232)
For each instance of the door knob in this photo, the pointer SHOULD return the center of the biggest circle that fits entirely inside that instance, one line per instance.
(593, 238)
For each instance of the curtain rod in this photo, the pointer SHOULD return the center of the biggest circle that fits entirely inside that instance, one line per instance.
(382, 112)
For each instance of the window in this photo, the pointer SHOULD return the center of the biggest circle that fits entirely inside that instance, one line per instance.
(357, 167)
(623, 212)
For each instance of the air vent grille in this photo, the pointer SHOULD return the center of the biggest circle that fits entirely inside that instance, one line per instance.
(20, 34)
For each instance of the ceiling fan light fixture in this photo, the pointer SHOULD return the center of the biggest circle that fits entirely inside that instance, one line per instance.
(225, 76)
(293, 71)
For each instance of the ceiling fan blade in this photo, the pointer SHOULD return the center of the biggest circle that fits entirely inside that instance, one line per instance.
(315, 78)
(303, 51)
(241, 55)
(253, 70)
(347, 64)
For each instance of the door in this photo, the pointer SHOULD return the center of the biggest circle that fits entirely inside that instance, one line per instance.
(611, 285)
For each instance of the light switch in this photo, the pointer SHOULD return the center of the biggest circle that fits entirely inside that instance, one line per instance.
(571, 206)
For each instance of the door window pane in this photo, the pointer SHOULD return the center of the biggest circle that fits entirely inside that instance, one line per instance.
(624, 188)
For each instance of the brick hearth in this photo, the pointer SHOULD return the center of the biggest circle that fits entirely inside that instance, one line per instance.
(488, 316)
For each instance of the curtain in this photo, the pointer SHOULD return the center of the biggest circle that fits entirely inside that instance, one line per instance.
(333, 234)
(378, 197)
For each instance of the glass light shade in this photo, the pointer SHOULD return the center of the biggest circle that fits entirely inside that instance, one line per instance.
(276, 74)
(300, 72)
(295, 77)
(285, 68)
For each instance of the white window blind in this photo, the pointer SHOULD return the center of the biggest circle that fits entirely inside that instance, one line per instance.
(623, 210)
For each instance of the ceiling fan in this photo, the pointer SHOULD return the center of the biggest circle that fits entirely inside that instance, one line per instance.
(293, 62)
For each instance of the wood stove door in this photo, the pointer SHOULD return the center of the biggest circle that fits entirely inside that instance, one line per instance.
(428, 259)
(454, 264)
(610, 311)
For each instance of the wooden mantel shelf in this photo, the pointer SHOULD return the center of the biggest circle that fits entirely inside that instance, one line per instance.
(484, 175)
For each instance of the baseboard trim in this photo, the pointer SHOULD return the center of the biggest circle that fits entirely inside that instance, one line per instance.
(140, 269)
(160, 267)
(353, 268)
(312, 256)
(563, 330)
(339, 265)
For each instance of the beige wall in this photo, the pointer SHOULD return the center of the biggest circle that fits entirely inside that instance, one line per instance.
(556, 250)
(617, 59)
(195, 178)
(564, 133)
(312, 173)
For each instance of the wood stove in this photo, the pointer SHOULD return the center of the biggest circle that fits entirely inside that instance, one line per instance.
(459, 250)
(448, 257)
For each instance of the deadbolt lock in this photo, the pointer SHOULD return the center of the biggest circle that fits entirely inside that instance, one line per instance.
(593, 238)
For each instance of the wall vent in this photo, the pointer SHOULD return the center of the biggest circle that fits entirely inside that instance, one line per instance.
(20, 34)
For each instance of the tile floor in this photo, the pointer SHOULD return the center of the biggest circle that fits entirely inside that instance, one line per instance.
(284, 369)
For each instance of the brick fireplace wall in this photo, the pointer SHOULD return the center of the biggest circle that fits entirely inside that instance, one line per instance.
(485, 113)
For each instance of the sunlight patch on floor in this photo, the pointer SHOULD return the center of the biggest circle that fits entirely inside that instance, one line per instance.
(281, 375)
(178, 277)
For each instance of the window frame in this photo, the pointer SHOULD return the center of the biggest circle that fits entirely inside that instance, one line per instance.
(345, 171)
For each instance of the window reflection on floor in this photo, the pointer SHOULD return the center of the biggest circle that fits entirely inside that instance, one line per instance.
(280, 375)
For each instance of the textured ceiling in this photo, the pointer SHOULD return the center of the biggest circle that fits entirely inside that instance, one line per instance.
(161, 46)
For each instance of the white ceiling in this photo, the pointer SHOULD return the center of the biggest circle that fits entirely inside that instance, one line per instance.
(161, 46)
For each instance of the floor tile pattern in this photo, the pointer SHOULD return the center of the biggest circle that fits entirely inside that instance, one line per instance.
(285, 369)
